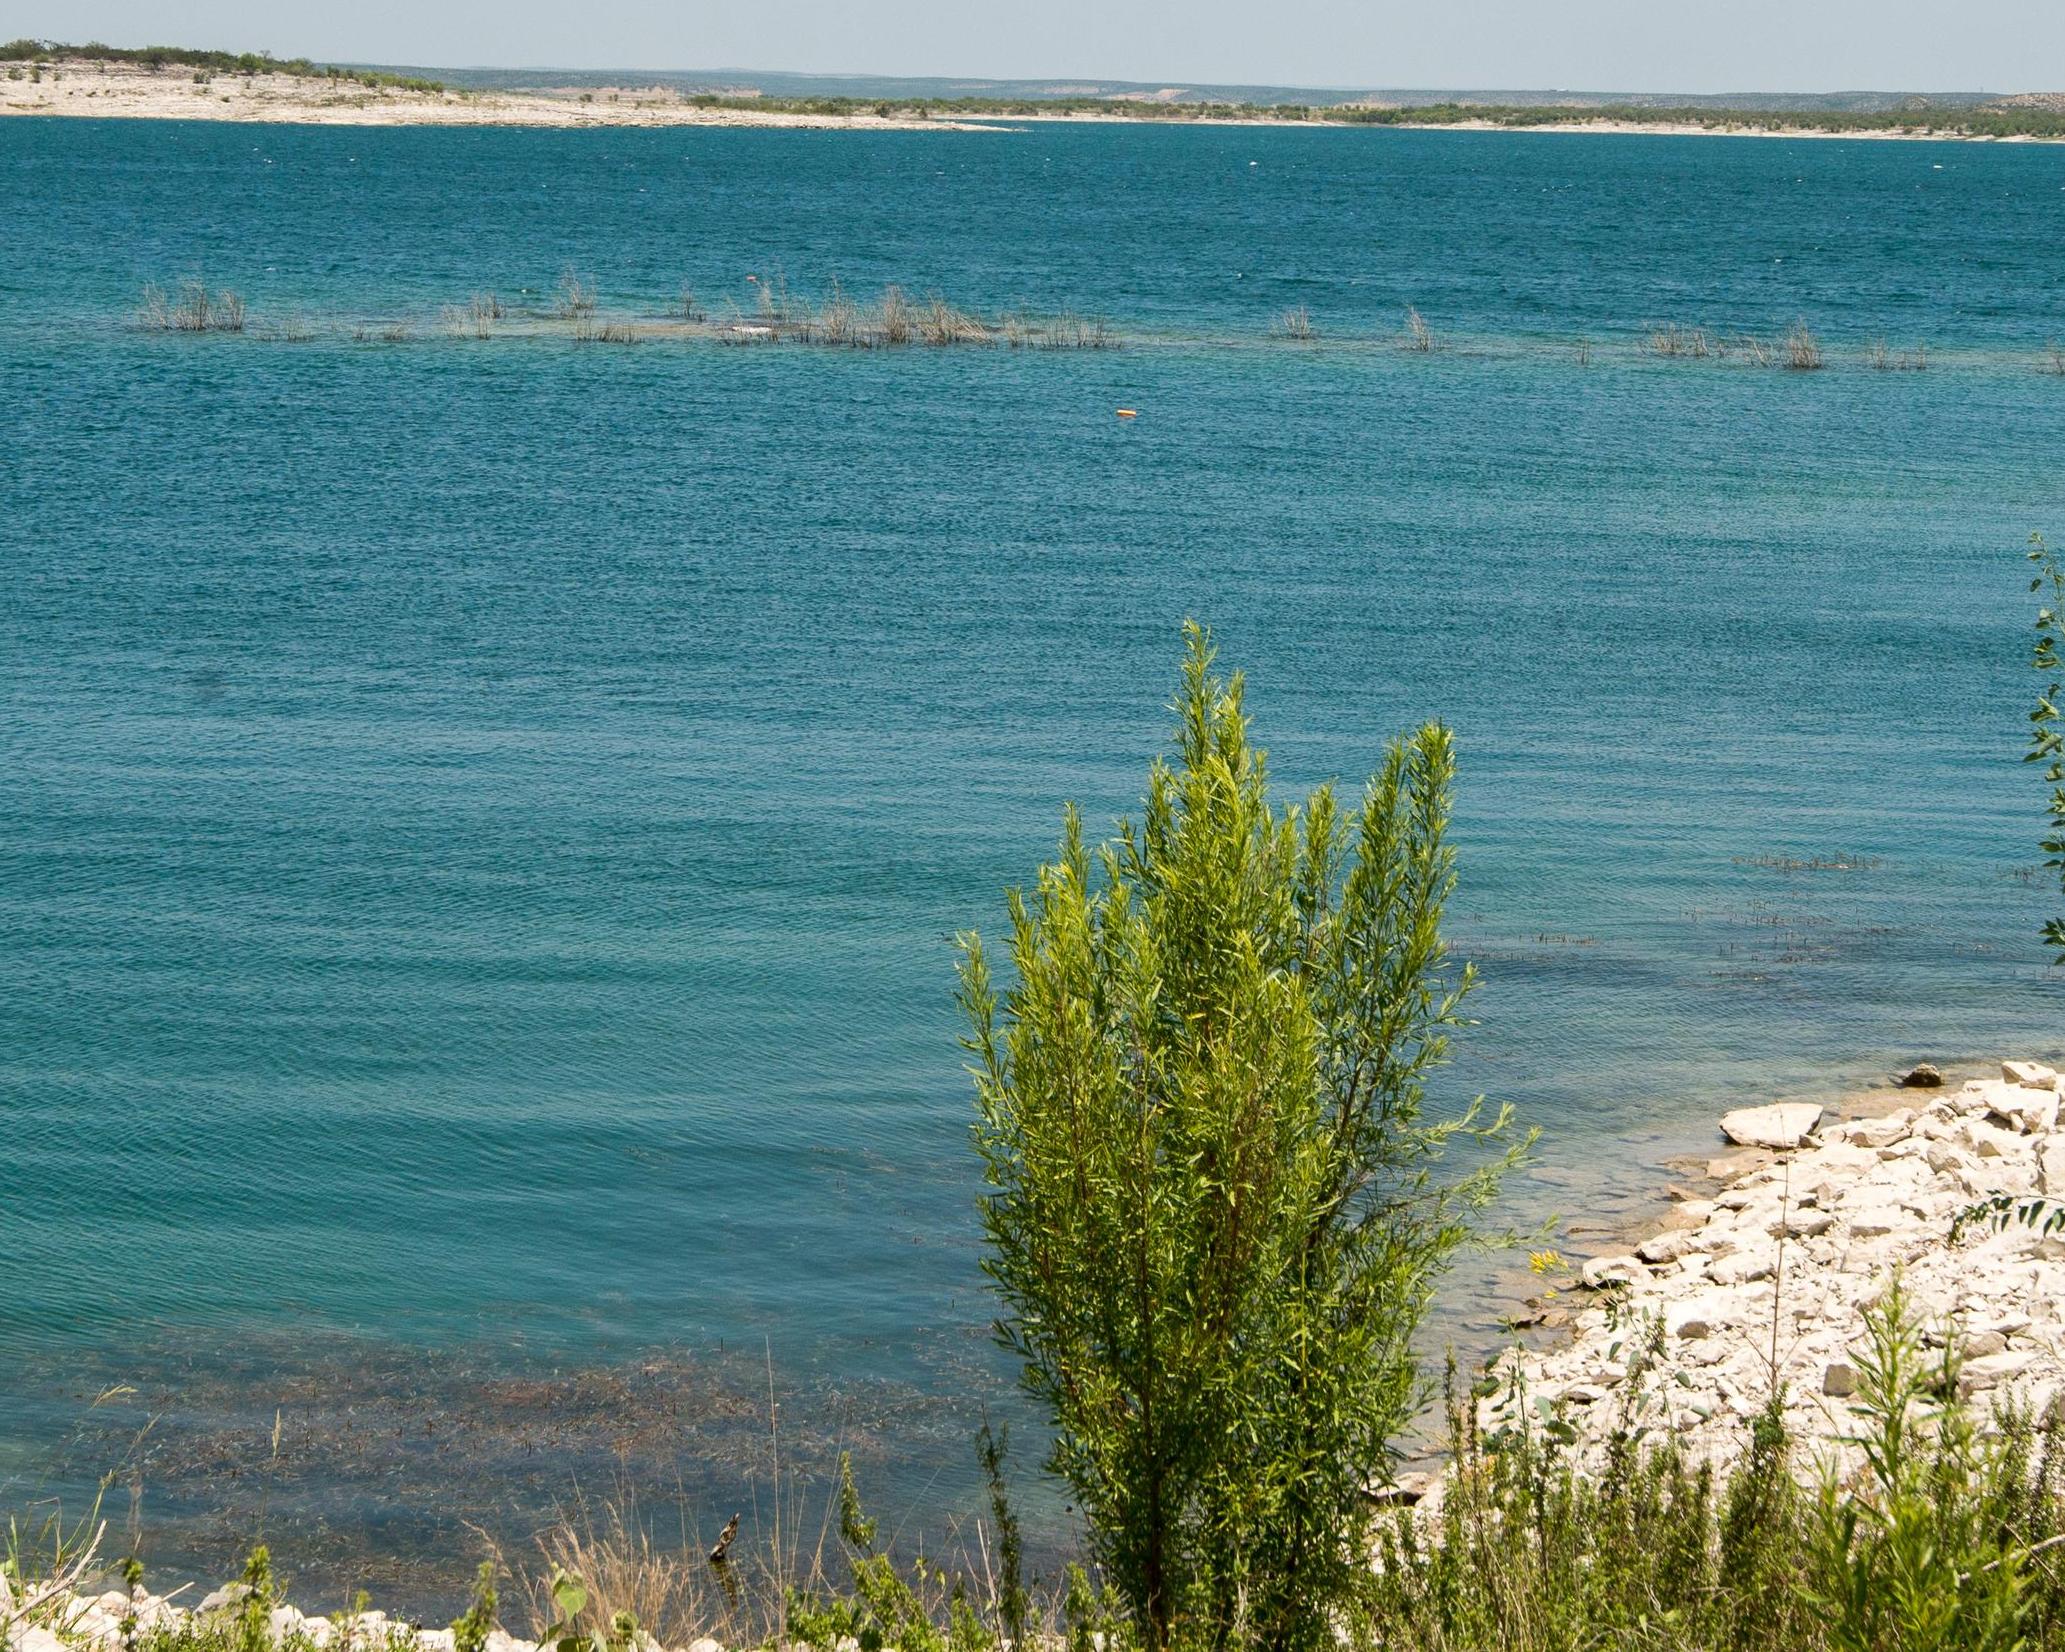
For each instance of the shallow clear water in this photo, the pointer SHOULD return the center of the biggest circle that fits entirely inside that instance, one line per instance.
(481, 823)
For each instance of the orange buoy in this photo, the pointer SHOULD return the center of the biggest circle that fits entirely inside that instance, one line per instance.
(1129, 413)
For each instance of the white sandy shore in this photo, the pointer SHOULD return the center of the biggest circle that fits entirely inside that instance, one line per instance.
(115, 91)
(1791, 1248)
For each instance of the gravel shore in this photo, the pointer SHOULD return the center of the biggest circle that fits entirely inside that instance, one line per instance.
(1767, 1280)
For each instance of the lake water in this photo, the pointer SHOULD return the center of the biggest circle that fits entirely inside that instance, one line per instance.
(482, 822)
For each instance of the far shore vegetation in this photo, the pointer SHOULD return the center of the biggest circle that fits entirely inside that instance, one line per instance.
(49, 52)
(1930, 120)
(2011, 117)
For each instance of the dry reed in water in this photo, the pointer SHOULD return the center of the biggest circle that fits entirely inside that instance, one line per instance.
(1673, 340)
(1802, 349)
(576, 295)
(1294, 324)
(1418, 335)
(195, 310)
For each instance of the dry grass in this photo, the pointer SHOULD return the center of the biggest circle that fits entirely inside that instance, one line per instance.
(940, 323)
(1673, 340)
(840, 321)
(296, 329)
(1881, 358)
(894, 321)
(1802, 349)
(1584, 352)
(1419, 337)
(576, 295)
(1755, 348)
(1294, 324)
(2054, 358)
(896, 316)
(588, 331)
(193, 310)
(1066, 331)
(675, 1594)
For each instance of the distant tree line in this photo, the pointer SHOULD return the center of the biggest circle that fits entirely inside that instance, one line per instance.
(190, 57)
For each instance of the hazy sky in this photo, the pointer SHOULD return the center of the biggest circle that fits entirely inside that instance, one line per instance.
(1635, 45)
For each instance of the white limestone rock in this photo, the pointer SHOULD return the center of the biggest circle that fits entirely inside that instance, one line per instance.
(1780, 1126)
(1603, 1271)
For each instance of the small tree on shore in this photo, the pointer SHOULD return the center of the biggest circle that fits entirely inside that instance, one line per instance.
(1216, 1213)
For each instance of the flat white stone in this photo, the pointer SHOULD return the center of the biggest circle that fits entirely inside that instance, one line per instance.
(1611, 1270)
(1781, 1125)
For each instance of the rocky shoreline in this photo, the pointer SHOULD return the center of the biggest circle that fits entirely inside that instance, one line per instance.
(1761, 1276)
(67, 1621)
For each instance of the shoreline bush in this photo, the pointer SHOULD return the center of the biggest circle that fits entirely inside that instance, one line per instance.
(1215, 1214)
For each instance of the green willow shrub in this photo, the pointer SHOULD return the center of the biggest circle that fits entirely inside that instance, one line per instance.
(1216, 1210)
(2046, 737)
(1921, 1549)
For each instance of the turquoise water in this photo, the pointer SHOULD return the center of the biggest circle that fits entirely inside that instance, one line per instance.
(481, 823)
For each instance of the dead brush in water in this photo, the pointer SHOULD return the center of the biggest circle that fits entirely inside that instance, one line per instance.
(941, 323)
(897, 326)
(587, 331)
(1069, 331)
(1673, 340)
(193, 310)
(1880, 358)
(1294, 324)
(576, 296)
(840, 322)
(1802, 349)
(2054, 359)
(1419, 337)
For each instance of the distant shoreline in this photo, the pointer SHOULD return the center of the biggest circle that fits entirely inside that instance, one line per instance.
(75, 89)
(1612, 125)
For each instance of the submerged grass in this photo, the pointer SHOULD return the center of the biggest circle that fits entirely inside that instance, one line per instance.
(193, 309)
(894, 319)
